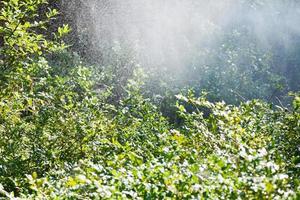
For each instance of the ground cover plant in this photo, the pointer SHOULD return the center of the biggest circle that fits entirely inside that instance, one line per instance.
(67, 135)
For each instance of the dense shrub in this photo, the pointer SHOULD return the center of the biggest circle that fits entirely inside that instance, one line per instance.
(235, 153)
(47, 116)
(62, 139)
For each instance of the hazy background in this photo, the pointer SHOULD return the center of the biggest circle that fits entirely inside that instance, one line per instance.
(186, 42)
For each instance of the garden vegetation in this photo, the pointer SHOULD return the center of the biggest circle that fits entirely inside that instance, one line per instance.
(63, 138)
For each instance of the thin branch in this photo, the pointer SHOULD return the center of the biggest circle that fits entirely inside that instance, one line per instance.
(239, 95)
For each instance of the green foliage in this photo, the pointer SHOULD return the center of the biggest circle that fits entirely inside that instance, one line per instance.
(234, 153)
(61, 139)
(46, 118)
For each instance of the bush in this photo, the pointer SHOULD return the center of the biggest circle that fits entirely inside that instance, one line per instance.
(61, 140)
(47, 118)
(232, 154)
